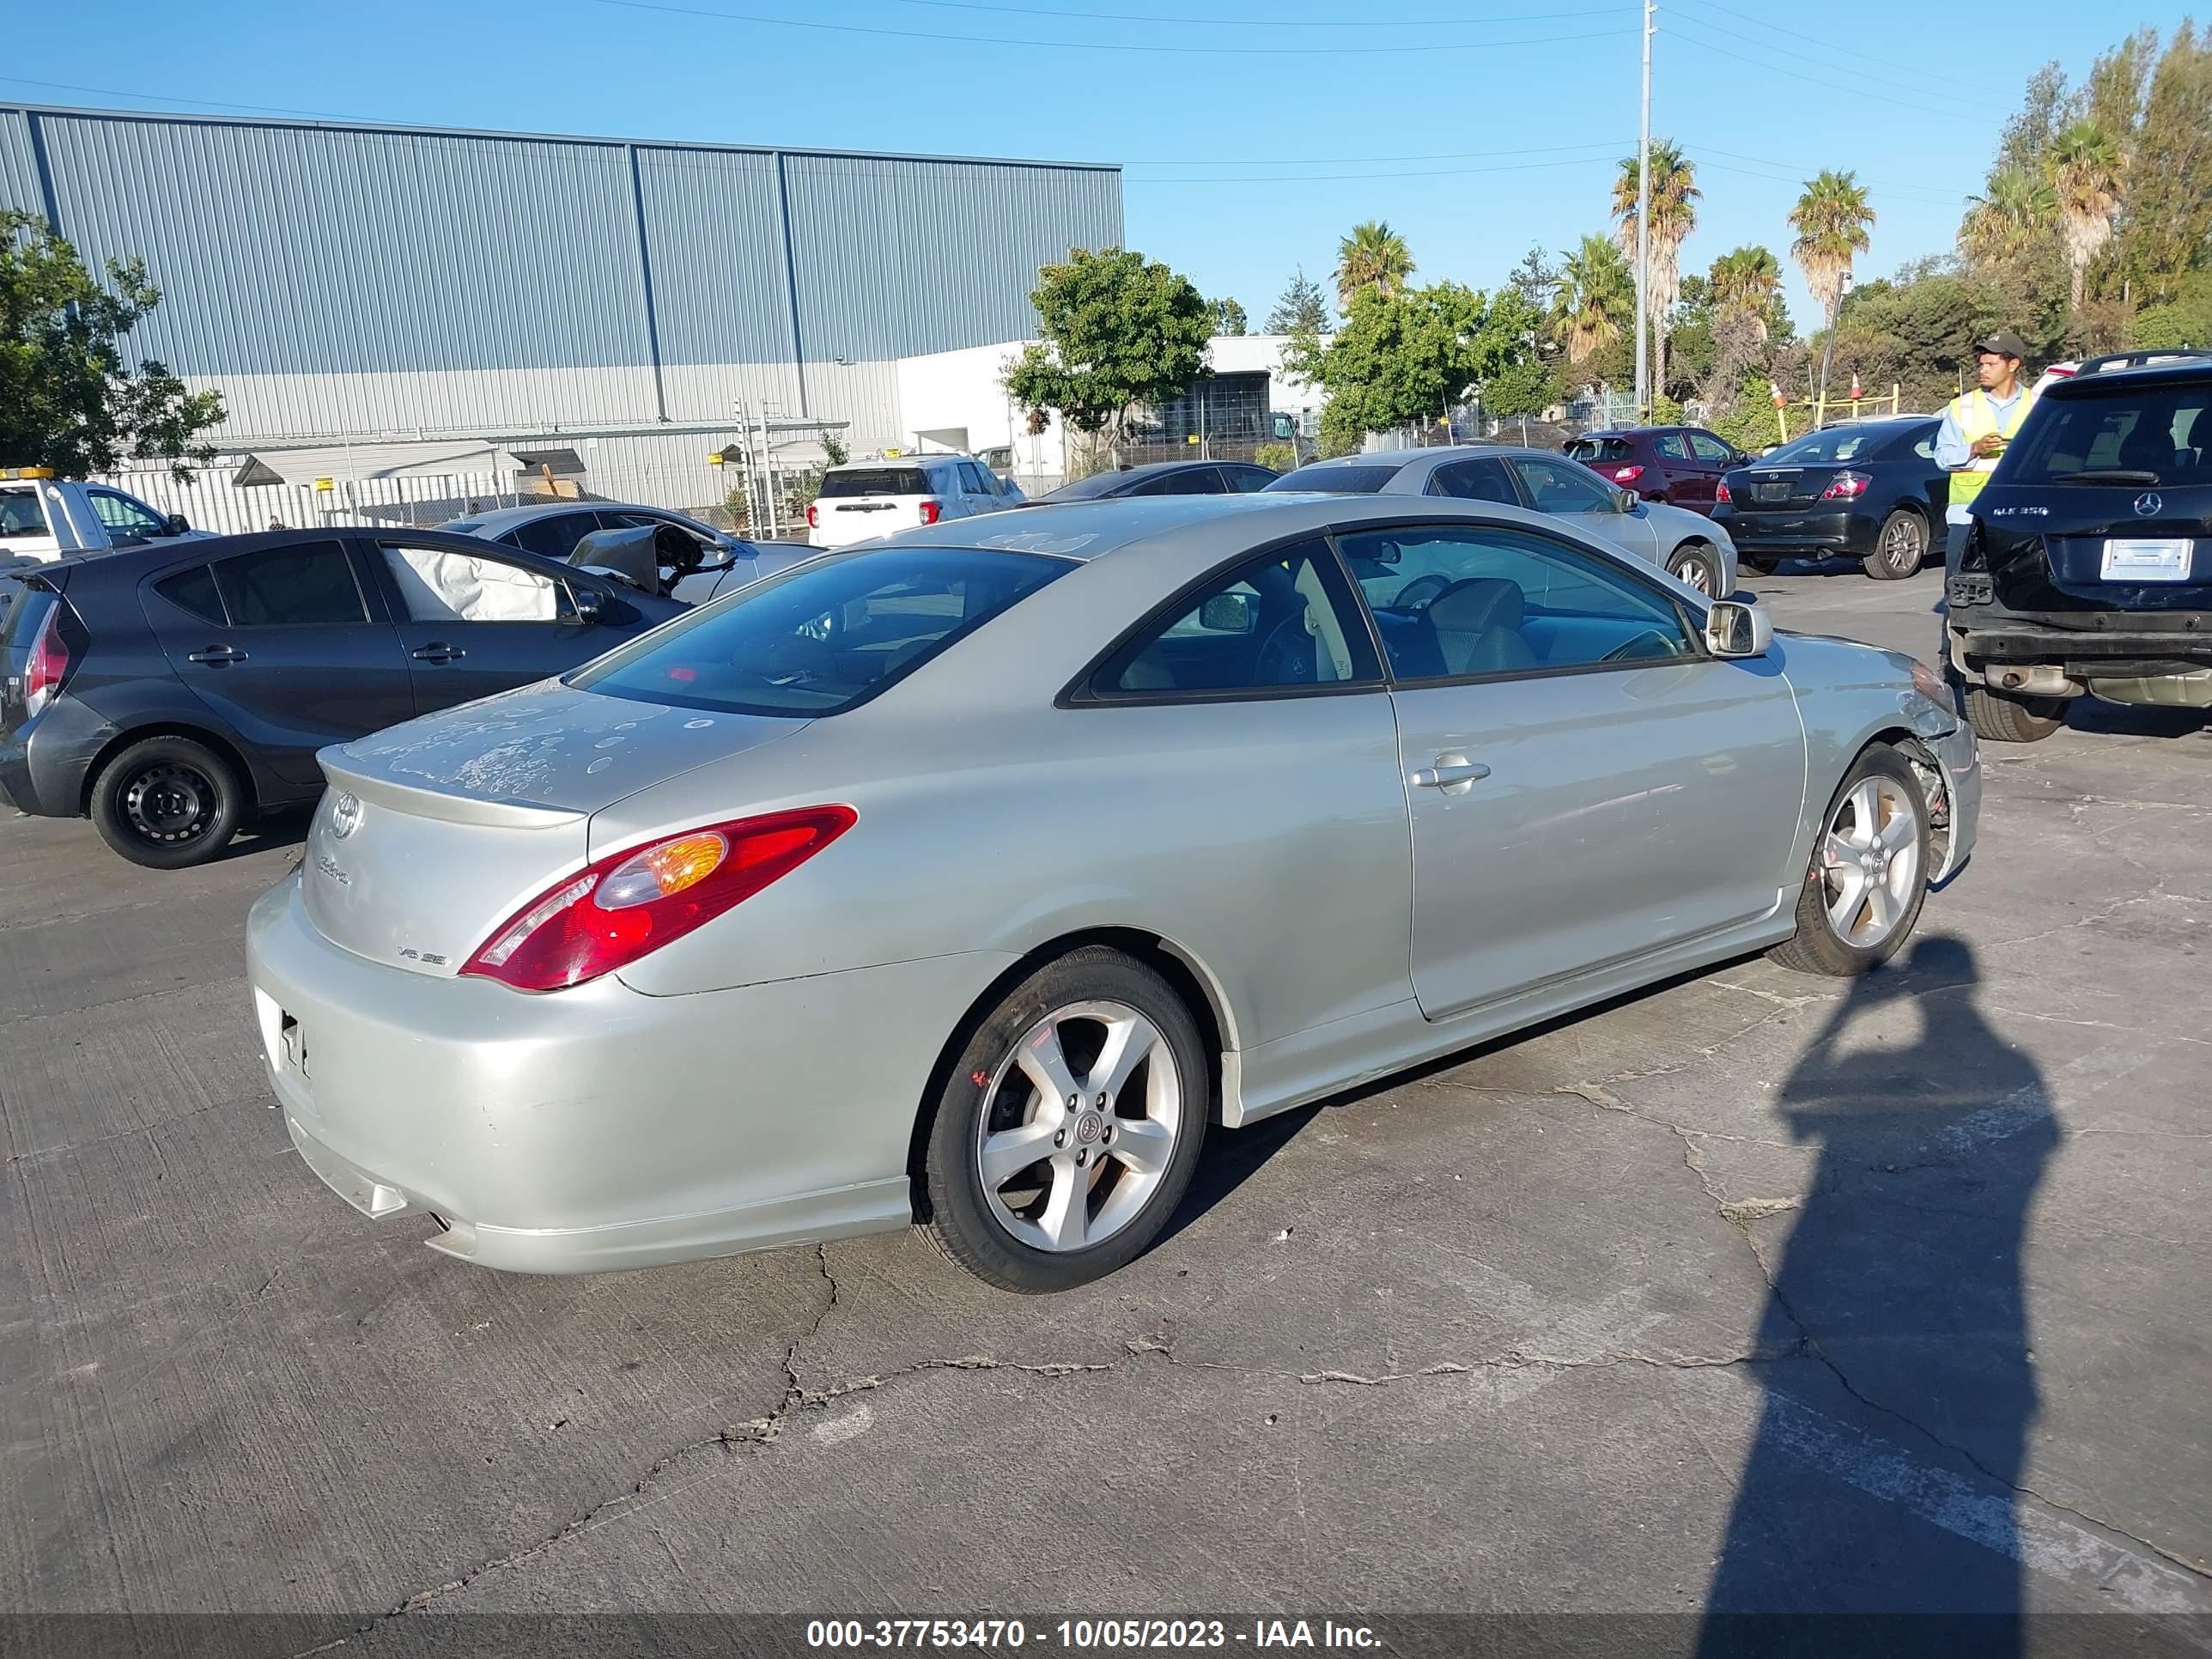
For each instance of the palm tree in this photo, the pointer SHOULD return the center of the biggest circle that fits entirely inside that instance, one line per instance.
(2088, 176)
(1596, 297)
(1673, 216)
(1373, 256)
(2003, 225)
(1745, 281)
(1831, 220)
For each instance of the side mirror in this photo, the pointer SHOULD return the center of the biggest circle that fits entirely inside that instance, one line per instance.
(587, 604)
(1734, 628)
(177, 525)
(1226, 613)
(1626, 499)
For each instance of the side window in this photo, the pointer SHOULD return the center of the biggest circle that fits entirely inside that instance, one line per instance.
(1672, 446)
(194, 591)
(1283, 619)
(1192, 481)
(123, 516)
(437, 585)
(556, 535)
(305, 585)
(1463, 601)
(1244, 480)
(1562, 486)
(1707, 447)
(1925, 449)
(974, 479)
(21, 514)
(1483, 480)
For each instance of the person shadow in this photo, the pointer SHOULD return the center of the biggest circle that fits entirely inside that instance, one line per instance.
(1897, 1317)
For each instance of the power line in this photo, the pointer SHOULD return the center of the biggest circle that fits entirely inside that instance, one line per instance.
(1775, 161)
(1936, 111)
(1103, 45)
(1429, 172)
(1348, 160)
(1784, 179)
(168, 97)
(1949, 84)
(1272, 22)
(1928, 103)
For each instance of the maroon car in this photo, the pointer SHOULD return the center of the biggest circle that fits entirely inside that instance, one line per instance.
(1681, 464)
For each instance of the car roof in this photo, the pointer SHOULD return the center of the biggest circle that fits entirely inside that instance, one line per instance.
(1100, 483)
(2150, 377)
(506, 518)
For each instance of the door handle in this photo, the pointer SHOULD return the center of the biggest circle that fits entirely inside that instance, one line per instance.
(1453, 773)
(217, 654)
(438, 651)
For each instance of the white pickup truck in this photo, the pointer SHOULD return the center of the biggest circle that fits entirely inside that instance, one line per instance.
(43, 517)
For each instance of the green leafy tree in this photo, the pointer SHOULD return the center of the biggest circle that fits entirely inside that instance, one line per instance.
(2004, 227)
(1595, 300)
(1832, 219)
(1375, 259)
(1118, 332)
(2113, 97)
(2088, 172)
(2166, 231)
(1401, 359)
(1673, 214)
(2040, 115)
(1303, 308)
(1535, 279)
(1228, 316)
(69, 397)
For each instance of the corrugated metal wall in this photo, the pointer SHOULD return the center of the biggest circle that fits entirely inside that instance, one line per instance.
(338, 278)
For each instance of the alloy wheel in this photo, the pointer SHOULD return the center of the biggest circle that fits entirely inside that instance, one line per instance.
(1079, 1125)
(1870, 857)
(1690, 567)
(1904, 544)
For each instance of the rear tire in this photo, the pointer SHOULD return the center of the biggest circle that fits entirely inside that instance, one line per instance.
(167, 803)
(1999, 719)
(1851, 916)
(1899, 548)
(1756, 563)
(1698, 564)
(1040, 1221)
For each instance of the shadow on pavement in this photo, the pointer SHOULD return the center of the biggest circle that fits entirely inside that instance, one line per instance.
(1897, 1316)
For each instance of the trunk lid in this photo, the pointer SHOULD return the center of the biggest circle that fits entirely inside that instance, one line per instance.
(1755, 489)
(435, 831)
(2047, 546)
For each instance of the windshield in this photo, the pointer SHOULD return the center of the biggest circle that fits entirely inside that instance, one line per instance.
(876, 481)
(1837, 445)
(1098, 483)
(2157, 436)
(1337, 478)
(1601, 449)
(827, 636)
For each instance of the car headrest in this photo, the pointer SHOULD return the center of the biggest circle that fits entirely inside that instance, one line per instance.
(1477, 605)
(628, 554)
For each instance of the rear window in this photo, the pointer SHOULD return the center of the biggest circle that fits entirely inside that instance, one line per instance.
(1339, 480)
(876, 481)
(306, 585)
(194, 591)
(1835, 446)
(2146, 437)
(1601, 449)
(1084, 489)
(21, 514)
(19, 621)
(824, 637)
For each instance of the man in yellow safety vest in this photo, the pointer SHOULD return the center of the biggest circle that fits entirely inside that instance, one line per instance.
(1979, 424)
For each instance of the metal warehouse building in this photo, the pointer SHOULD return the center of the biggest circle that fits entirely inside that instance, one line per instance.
(360, 282)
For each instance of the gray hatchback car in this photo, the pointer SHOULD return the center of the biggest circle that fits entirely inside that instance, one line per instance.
(1686, 545)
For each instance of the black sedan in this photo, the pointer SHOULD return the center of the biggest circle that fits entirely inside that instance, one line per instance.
(1869, 490)
(1167, 478)
(172, 691)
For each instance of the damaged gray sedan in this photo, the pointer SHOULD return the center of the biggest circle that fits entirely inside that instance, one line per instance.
(969, 878)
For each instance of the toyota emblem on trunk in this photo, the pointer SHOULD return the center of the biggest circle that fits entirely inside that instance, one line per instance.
(345, 815)
(2147, 504)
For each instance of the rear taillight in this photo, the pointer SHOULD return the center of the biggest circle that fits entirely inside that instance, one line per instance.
(931, 512)
(643, 898)
(1626, 474)
(49, 664)
(1720, 493)
(813, 516)
(1845, 487)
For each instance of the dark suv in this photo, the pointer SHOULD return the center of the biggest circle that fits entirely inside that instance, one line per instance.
(1678, 464)
(2087, 565)
(170, 692)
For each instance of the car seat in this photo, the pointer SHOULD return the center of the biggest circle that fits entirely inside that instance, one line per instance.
(1477, 623)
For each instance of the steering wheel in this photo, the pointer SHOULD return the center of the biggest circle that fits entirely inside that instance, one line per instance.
(1639, 646)
(1279, 662)
(1421, 593)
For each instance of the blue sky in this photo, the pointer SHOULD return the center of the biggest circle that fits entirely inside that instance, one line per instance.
(1474, 127)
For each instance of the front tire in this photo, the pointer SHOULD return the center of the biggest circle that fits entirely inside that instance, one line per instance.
(1698, 564)
(167, 803)
(1900, 547)
(1999, 719)
(1868, 876)
(1068, 1126)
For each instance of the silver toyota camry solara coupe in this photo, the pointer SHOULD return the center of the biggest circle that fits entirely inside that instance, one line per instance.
(968, 877)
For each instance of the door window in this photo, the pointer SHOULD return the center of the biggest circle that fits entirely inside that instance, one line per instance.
(1482, 480)
(124, 516)
(554, 536)
(1672, 446)
(1707, 447)
(305, 584)
(1463, 601)
(1281, 620)
(1244, 480)
(973, 477)
(437, 585)
(1563, 487)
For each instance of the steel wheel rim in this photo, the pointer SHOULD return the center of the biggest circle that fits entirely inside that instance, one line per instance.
(1900, 544)
(1691, 568)
(1870, 858)
(169, 805)
(1095, 1081)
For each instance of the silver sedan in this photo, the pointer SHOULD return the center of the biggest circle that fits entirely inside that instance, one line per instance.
(1687, 544)
(967, 878)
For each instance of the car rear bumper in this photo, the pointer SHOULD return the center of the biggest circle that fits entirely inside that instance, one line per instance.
(2002, 636)
(44, 762)
(1798, 534)
(599, 1127)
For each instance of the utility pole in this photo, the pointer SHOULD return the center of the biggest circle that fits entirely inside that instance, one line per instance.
(1643, 228)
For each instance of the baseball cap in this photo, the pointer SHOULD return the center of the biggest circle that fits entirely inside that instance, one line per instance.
(2004, 343)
